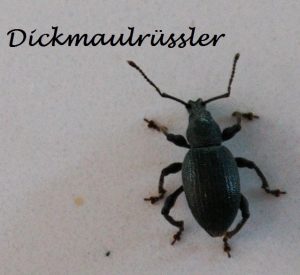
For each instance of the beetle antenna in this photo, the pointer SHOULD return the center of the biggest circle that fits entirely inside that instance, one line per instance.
(236, 57)
(132, 64)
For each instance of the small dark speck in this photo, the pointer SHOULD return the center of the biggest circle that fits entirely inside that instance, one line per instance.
(107, 253)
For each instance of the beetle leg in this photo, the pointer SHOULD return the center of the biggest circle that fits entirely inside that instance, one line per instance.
(244, 207)
(229, 132)
(169, 203)
(241, 162)
(154, 125)
(171, 169)
(249, 116)
(178, 140)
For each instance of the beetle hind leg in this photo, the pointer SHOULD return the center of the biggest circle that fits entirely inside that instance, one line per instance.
(171, 169)
(244, 207)
(169, 203)
(241, 162)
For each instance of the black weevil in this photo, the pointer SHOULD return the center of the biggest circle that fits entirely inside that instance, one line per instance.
(209, 171)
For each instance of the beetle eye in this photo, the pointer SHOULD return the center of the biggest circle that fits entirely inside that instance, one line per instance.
(188, 106)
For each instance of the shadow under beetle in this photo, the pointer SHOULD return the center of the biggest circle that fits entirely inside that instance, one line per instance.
(209, 171)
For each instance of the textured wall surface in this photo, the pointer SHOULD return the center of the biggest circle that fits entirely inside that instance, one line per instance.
(77, 159)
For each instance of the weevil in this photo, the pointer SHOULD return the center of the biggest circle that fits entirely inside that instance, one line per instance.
(210, 174)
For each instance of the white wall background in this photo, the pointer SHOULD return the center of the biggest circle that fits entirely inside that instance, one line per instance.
(71, 128)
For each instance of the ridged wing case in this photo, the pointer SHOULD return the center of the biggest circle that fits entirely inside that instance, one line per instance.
(212, 187)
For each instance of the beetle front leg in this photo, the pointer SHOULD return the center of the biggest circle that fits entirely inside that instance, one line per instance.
(244, 207)
(229, 132)
(169, 203)
(171, 169)
(178, 140)
(241, 162)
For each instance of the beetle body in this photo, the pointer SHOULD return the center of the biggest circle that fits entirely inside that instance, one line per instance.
(209, 173)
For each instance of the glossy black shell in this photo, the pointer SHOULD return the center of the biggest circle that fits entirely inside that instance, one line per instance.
(212, 187)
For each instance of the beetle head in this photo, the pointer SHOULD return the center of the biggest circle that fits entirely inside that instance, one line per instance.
(194, 107)
(202, 129)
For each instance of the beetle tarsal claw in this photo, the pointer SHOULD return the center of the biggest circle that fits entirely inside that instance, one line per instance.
(227, 248)
(154, 125)
(176, 237)
(249, 115)
(276, 192)
(155, 199)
